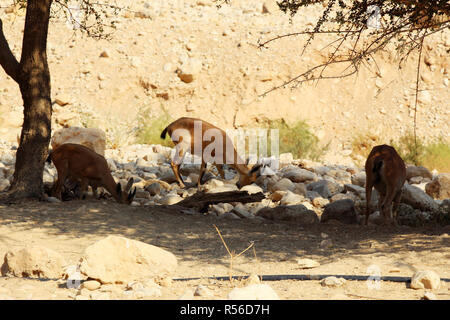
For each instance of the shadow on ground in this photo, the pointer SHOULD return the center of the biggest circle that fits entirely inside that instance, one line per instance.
(193, 237)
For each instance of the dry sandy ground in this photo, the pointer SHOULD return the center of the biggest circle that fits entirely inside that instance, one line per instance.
(70, 227)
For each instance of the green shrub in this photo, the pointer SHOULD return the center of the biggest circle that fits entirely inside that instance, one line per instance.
(298, 140)
(411, 150)
(150, 127)
(437, 156)
(432, 155)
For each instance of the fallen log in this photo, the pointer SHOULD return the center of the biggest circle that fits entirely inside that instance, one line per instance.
(201, 200)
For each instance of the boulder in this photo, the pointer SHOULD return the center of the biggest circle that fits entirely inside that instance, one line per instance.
(91, 285)
(170, 199)
(332, 282)
(417, 171)
(153, 189)
(439, 187)
(306, 263)
(117, 259)
(93, 138)
(360, 191)
(277, 195)
(418, 199)
(359, 179)
(291, 198)
(282, 185)
(252, 188)
(300, 188)
(4, 184)
(298, 214)
(299, 175)
(33, 262)
(341, 210)
(325, 188)
(425, 280)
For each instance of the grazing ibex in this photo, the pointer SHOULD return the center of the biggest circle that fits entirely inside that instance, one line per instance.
(386, 171)
(189, 134)
(77, 162)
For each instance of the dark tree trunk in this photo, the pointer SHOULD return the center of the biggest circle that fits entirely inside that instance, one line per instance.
(33, 76)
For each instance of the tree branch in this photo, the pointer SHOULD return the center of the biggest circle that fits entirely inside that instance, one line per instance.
(7, 59)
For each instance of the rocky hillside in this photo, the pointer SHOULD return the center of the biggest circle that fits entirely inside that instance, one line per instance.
(192, 59)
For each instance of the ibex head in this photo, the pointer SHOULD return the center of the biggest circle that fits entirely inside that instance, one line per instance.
(126, 196)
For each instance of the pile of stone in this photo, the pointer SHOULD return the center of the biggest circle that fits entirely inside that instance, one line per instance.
(300, 191)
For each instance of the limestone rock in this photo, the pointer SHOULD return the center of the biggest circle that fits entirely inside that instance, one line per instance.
(253, 292)
(33, 262)
(359, 179)
(417, 171)
(306, 263)
(325, 188)
(439, 187)
(298, 213)
(291, 198)
(425, 280)
(333, 282)
(91, 285)
(93, 138)
(117, 259)
(170, 199)
(418, 199)
(341, 210)
(283, 185)
(299, 175)
(252, 188)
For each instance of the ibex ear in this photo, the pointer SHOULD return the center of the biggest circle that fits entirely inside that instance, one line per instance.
(118, 188)
(255, 168)
(129, 184)
(131, 195)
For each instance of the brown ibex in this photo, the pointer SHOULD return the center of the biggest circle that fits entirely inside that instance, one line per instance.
(188, 134)
(77, 162)
(386, 171)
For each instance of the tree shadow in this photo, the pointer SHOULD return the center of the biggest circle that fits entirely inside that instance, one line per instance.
(192, 237)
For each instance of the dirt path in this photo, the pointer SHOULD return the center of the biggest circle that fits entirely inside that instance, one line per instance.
(70, 227)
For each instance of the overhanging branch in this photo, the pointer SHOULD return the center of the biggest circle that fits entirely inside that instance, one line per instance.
(7, 59)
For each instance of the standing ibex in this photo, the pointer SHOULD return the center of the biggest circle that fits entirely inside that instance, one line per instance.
(77, 162)
(386, 171)
(189, 134)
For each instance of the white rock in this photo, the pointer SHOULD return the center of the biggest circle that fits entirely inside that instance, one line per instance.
(429, 296)
(4, 185)
(291, 198)
(332, 282)
(252, 188)
(33, 262)
(170, 199)
(202, 291)
(425, 279)
(306, 263)
(93, 138)
(91, 285)
(120, 260)
(253, 292)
